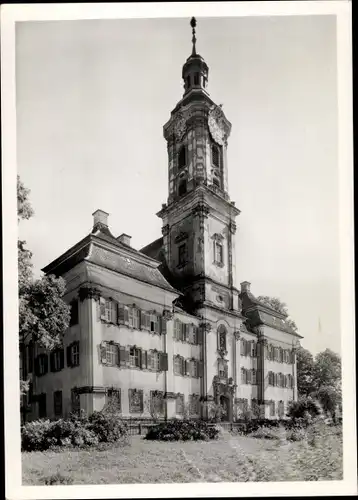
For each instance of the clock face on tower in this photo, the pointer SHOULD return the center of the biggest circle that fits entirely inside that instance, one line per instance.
(218, 127)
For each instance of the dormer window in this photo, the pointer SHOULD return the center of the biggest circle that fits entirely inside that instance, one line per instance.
(215, 156)
(182, 187)
(182, 157)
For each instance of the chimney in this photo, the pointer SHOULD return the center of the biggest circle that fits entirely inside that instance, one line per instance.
(100, 217)
(125, 238)
(245, 287)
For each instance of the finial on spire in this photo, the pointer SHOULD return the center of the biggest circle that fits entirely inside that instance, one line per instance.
(193, 25)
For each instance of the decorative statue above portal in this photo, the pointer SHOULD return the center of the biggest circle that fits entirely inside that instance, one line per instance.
(218, 126)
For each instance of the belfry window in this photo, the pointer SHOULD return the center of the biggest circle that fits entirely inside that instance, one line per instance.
(188, 82)
(182, 254)
(182, 157)
(196, 78)
(182, 187)
(215, 156)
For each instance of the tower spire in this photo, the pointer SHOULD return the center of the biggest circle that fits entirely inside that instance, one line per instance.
(193, 25)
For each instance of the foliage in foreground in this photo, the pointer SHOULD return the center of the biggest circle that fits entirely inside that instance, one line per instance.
(183, 430)
(76, 431)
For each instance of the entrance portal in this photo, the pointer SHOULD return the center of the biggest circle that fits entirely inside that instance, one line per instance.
(225, 403)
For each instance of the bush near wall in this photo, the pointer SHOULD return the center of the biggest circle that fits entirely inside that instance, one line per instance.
(183, 430)
(76, 431)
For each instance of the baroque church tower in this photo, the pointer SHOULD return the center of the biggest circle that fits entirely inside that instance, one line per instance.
(199, 218)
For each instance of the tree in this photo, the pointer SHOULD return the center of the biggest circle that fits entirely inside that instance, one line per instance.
(279, 306)
(327, 369)
(43, 314)
(305, 372)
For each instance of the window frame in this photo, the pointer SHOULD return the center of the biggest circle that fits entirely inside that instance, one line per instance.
(215, 155)
(218, 252)
(75, 354)
(135, 357)
(182, 156)
(179, 409)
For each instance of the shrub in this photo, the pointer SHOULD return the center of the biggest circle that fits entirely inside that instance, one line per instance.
(305, 409)
(296, 434)
(34, 435)
(182, 430)
(107, 427)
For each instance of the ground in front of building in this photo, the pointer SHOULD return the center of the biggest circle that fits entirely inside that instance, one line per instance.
(229, 459)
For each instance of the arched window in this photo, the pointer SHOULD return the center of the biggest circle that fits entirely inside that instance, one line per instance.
(196, 78)
(188, 82)
(182, 187)
(182, 157)
(222, 337)
(215, 156)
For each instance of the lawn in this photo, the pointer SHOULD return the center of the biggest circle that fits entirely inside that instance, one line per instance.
(228, 459)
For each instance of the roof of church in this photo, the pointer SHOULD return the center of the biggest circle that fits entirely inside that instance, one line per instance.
(123, 258)
(153, 249)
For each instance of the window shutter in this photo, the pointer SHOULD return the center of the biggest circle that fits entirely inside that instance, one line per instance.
(46, 363)
(149, 360)
(186, 367)
(127, 350)
(120, 313)
(126, 315)
(144, 359)
(199, 335)
(62, 359)
(145, 320)
(141, 400)
(102, 308)
(130, 398)
(52, 362)
(200, 369)
(103, 349)
(122, 355)
(163, 361)
(163, 326)
(275, 379)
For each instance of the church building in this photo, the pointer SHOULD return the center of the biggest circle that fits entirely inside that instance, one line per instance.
(166, 328)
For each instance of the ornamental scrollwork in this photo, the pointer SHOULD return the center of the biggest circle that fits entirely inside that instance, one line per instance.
(206, 327)
(168, 315)
(218, 126)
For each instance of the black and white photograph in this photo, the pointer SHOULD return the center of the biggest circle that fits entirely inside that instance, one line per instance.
(178, 250)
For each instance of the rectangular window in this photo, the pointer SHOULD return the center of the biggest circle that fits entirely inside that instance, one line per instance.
(42, 364)
(135, 401)
(57, 403)
(156, 402)
(111, 354)
(243, 376)
(42, 406)
(253, 349)
(182, 254)
(134, 357)
(114, 398)
(178, 365)
(155, 361)
(75, 354)
(253, 377)
(134, 317)
(177, 329)
(194, 405)
(179, 404)
(74, 312)
(108, 310)
(271, 377)
(281, 409)
(154, 323)
(218, 252)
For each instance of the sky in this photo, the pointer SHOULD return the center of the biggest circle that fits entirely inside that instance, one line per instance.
(92, 98)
